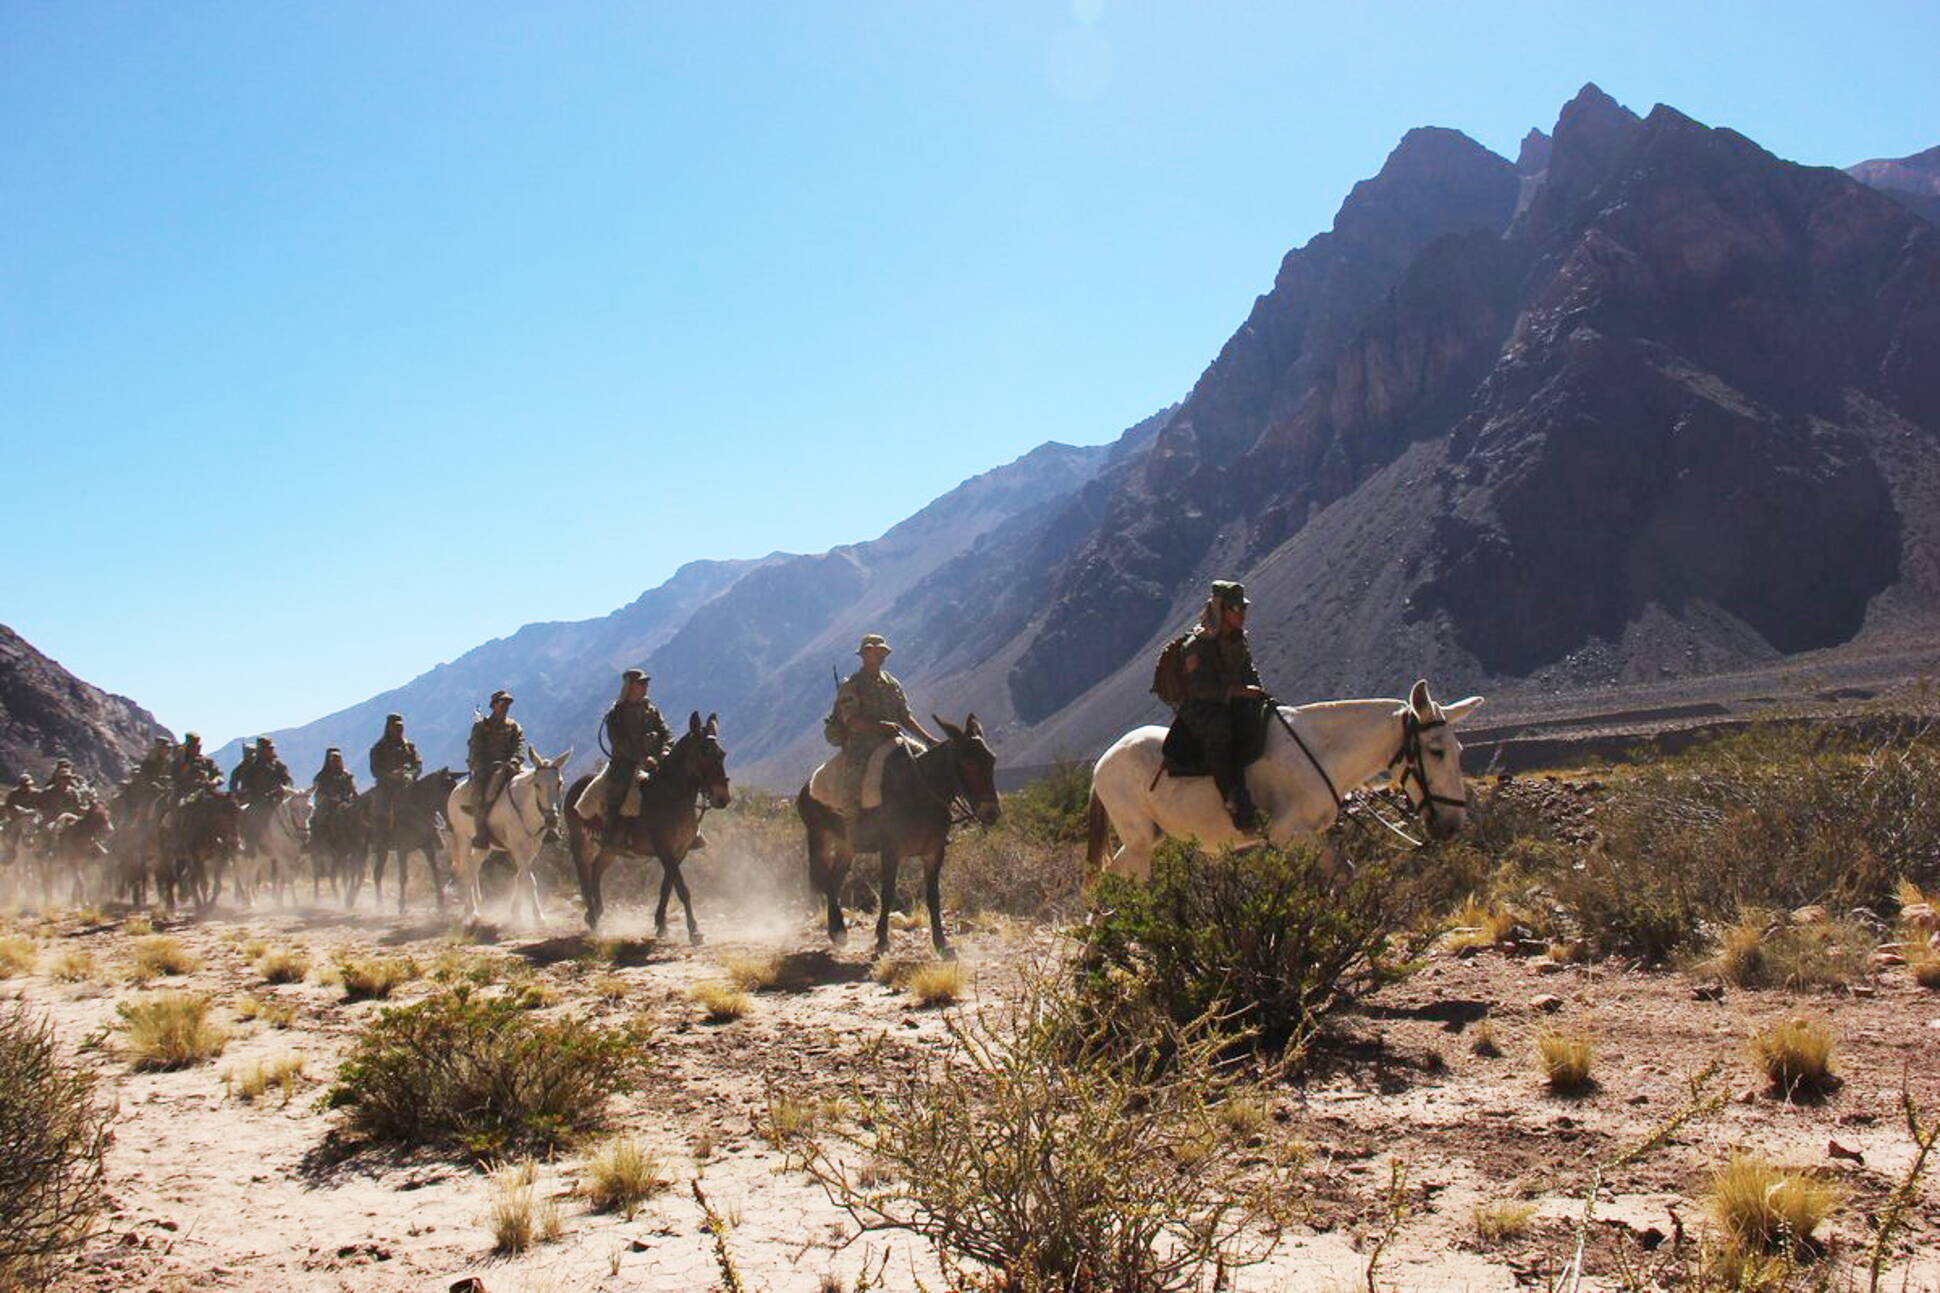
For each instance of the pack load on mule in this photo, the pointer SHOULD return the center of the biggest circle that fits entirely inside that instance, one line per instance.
(1208, 679)
(877, 795)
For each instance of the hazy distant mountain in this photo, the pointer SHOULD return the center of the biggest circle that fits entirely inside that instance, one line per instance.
(1913, 182)
(47, 713)
(751, 639)
(1647, 402)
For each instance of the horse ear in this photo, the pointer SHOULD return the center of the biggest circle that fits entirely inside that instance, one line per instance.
(1419, 701)
(694, 721)
(971, 727)
(1462, 708)
(713, 724)
(950, 729)
(563, 759)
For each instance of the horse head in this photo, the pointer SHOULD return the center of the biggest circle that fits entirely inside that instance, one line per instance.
(710, 760)
(1431, 758)
(976, 767)
(300, 804)
(548, 778)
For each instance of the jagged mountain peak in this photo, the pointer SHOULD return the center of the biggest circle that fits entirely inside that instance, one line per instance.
(1533, 156)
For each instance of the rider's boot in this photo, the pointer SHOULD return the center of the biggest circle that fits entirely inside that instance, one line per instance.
(481, 831)
(1246, 816)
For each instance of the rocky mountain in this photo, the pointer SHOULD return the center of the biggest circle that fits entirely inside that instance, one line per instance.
(1913, 182)
(752, 640)
(1647, 402)
(47, 713)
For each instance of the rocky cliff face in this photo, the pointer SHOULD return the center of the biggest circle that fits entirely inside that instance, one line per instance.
(47, 713)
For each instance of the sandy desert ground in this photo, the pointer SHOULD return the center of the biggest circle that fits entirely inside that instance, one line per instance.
(210, 1191)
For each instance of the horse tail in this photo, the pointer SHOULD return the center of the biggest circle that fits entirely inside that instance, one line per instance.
(1097, 834)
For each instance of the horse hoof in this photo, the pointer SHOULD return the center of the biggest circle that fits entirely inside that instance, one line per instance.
(695, 938)
(839, 938)
(659, 931)
(945, 952)
(882, 947)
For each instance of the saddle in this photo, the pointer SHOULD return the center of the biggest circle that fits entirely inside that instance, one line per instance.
(592, 801)
(1185, 757)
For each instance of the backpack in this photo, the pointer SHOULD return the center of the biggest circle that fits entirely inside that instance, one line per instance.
(1169, 676)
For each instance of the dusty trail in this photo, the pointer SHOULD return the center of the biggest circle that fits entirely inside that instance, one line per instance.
(213, 1192)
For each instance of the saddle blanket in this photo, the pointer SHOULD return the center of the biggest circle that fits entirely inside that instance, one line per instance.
(825, 783)
(593, 802)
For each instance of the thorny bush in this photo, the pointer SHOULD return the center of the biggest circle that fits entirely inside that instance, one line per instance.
(53, 1133)
(1267, 941)
(1048, 1155)
(481, 1073)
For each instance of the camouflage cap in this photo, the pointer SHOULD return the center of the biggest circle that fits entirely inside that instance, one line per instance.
(264, 743)
(635, 675)
(1229, 594)
(26, 779)
(393, 718)
(501, 695)
(873, 640)
(63, 763)
(191, 738)
(333, 750)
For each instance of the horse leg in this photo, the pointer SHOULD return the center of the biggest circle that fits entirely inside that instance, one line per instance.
(933, 891)
(587, 870)
(672, 872)
(836, 859)
(885, 899)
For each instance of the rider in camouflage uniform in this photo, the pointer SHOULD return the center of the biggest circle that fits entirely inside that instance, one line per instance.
(22, 802)
(64, 794)
(333, 787)
(493, 756)
(194, 772)
(150, 777)
(1222, 693)
(639, 738)
(239, 775)
(395, 764)
(263, 784)
(870, 708)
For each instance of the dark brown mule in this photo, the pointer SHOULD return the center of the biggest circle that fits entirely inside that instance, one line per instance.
(339, 839)
(137, 813)
(199, 837)
(919, 803)
(669, 821)
(412, 828)
(76, 840)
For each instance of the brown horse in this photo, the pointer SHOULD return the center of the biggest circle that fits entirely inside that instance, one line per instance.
(919, 801)
(668, 824)
(199, 837)
(417, 812)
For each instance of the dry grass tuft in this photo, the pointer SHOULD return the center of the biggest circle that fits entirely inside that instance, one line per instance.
(723, 1001)
(789, 1119)
(284, 965)
(277, 1014)
(1243, 1116)
(1796, 1058)
(374, 978)
(894, 971)
(753, 973)
(138, 925)
(75, 965)
(18, 956)
(1926, 971)
(611, 988)
(284, 1073)
(1761, 1208)
(939, 983)
(157, 954)
(54, 1135)
(1497, 1223)
(517, 1217)
(622, 1176)
(1565, 1059)
(171, 1030)
(1480, 924)
(1483, 1042)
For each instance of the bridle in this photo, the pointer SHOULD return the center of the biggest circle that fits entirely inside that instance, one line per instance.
(1410, 757)
(1413, 762)
(956, 805)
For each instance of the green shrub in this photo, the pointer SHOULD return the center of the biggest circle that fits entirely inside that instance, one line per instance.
(1054, 807)
(482, 1074)
(1035, 1149)
(53, 1133)
(1268, 940)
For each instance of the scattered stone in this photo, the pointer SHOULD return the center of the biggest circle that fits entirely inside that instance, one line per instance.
(1639, 1098)
(1549, 1003)
(1708, 992)
(1883, 959)
(1834, 1149)
(1812, 915)
(470, 1284)
(1466, 951)
(1543, 965)
(639, 1245)
(1863, 990)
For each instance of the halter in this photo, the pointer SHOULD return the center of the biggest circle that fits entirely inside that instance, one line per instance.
(1416, 761)
(957, 805)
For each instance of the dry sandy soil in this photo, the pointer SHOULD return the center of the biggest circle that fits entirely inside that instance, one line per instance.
(211, 1192)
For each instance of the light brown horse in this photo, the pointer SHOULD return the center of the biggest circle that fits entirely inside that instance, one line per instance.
(919, 804)
(669, 822)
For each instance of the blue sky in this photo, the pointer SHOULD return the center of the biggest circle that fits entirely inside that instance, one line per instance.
(337, 338)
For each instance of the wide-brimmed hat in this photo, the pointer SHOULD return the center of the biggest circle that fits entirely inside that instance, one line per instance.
(1229, 594)
(632, 676)
(873, 640)
(501, 694)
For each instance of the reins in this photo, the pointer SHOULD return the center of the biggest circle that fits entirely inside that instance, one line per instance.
(1409, 754)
